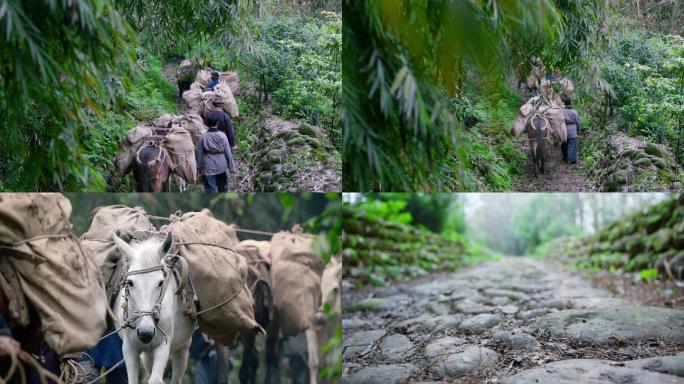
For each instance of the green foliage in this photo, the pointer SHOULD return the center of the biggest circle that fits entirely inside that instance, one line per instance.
(379, 246)
(402, 59)
(648, 274)
(58, 61)
(297, 60)
(387, 210)
(647, 74)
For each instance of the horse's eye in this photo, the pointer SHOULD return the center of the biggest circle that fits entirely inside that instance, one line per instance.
(129, 282)
(160, 283)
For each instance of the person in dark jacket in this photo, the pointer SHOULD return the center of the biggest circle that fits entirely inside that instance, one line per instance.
(224, 125)
(8, 346)
(214, 158)
(572, 123)
(214, 81)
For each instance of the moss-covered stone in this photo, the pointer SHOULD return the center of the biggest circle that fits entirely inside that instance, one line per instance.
(274, 156)
(661, 240)
(653, 150)
(309, 130)
(617, 180)
(635, 246)
(297, 141)
(643, 162)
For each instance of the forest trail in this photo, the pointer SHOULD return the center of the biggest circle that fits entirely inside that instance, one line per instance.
(558, 176)
(517, 320)
(285, 155)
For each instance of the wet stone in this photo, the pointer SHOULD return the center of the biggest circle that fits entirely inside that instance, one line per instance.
(442, 347)
(517, 341)
(526, 315)
(588, 371)
(382, 374)
(509, 309)
(438, 308)
(354, 323)
(499, 300)
(466, 360)
(442, 322)
(396, 347)
(480, 323)
(513, 295)
(554, 303)
(606, 326)
(360, 343)
(467, 306)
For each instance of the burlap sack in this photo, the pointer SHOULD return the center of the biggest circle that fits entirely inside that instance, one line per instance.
(56, 274)
(555, 116)
(124, 159)
(263, 247)
(203, 77)
(193, 98)
(163, 120)
(194, 124)
(125, 222)
(256, 253)
(331, 284)
(231, 78)
(229, 104)
(218, 275)
(181, 149)
(519, 125)
(296, 277)
(185, 71)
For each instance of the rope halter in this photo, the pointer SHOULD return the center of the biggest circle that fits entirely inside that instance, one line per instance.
(136, 314)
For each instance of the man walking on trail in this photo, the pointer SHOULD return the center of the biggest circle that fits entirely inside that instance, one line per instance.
(214, 81)
(214, 158)
(572, 122)
(224, 124)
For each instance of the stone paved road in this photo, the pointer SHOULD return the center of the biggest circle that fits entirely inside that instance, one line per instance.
(514, 321)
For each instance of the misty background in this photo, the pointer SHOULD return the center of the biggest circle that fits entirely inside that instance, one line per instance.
(509, 223)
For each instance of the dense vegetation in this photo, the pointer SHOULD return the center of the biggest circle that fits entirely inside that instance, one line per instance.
(75, 77)
(400, 236)
(430, 106)
(649, 242)
(397, 236)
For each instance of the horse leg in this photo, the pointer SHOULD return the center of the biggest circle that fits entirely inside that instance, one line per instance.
(147, 365)
(161, 357)
(179, 362)
(222, 363)
(132, 359)
(312, 351)
(250, 360)
(272, 361)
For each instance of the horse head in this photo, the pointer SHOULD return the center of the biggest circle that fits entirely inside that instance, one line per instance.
(145, 285)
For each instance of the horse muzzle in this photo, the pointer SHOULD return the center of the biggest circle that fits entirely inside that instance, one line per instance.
(146, 336)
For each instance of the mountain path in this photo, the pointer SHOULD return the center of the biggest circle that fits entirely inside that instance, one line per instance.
(558, 176)
(517, 320)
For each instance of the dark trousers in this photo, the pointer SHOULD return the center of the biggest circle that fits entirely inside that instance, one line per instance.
(216, 183)
(569, 150)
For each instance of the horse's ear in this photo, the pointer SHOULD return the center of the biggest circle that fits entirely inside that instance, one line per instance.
(123, 246)
(166, 245)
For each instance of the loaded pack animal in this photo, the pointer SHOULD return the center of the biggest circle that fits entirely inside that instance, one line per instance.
(150, 312)
(152, 165)
(538, 130)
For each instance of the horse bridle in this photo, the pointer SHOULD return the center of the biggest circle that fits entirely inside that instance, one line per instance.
(136, 314)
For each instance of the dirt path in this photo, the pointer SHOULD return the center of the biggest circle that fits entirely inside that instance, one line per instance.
(559, 176)
(514, 321)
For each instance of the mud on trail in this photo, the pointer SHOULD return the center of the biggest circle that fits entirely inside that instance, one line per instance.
(558, 175)
(517, 320)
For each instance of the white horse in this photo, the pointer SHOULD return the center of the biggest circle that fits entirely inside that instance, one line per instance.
(150, 312)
